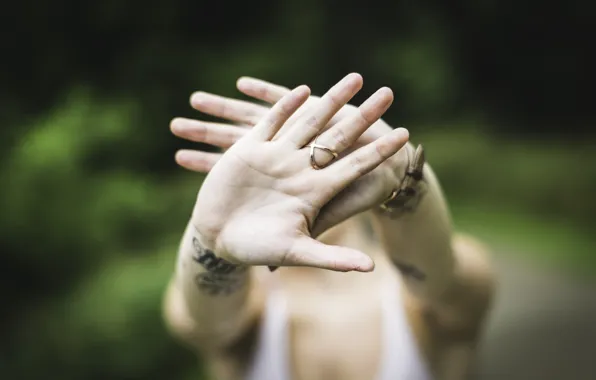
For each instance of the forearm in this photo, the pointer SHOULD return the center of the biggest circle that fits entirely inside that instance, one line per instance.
(217, 297)
(418, 236)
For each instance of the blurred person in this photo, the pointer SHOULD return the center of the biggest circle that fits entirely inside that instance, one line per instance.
(372, 282)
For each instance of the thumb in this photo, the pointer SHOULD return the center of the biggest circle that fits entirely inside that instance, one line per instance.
(307, 251)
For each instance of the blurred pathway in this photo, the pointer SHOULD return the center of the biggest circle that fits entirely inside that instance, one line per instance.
(543, 326)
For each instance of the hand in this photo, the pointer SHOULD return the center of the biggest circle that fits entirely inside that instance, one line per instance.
(258, 200)
(366, 192)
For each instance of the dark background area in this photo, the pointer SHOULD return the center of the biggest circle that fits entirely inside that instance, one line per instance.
(92, 205)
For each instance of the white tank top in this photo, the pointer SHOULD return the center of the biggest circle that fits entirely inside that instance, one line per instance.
(401, 358)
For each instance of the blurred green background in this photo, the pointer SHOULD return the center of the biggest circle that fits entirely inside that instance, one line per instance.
(92, 204)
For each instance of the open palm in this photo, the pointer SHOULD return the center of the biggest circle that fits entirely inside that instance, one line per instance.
(362, 194)
(259, 199)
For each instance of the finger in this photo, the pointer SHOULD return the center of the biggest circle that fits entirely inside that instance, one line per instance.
(335, 211)
(221, 135)
(279, 113)
(262, 90)
(227, 108)
(310, 252)
(309, 125)
(197, 161)
(362, 161)
(345, 133)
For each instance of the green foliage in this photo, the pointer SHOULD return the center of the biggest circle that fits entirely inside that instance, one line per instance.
(108, 326)
(82, 240)
(549, 179)
(531, 198)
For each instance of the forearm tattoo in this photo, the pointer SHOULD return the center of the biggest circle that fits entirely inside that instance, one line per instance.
(407, 197)
(221, 277)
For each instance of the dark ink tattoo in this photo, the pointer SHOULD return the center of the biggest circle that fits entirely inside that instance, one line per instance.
(215, 284)
(410, 271)
(413, 187)
(222, 277)
(212, 263)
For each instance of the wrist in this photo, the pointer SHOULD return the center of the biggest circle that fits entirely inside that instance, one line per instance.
(206, 228)
(212, 262)
(409, 188)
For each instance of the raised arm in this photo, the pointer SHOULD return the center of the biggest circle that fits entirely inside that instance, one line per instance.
(415, 227)
(448, 273)
(210, 302)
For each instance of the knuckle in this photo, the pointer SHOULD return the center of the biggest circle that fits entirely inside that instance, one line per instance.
(224, 108)
(365, 116)
(201, 132)
(340, 138)
(311, 121)
(358, 164)
(383, 149)
(334, 99)
(262, 92)
(287, 106)
(251, 117)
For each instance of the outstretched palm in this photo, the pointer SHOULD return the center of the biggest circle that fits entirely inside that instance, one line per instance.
(259, 199)
(363, 193)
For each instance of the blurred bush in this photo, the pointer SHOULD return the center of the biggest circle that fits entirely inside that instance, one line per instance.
(90, 241)
(530, 197)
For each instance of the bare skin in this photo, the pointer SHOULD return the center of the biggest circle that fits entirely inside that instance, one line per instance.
(325, 229)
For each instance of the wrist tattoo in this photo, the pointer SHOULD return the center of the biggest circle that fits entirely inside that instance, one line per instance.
(215, 284)
(210, 261)
(410, 271)
(221, 277)
(407, 197)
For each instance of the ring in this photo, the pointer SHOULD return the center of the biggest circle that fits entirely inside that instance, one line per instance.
(314, 146)
(385, 205)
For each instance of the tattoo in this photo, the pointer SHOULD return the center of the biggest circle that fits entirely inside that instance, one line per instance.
(410, 271)
(215, 284)
(412, 189)
(406, 200)
(222, 277)
(212, 263)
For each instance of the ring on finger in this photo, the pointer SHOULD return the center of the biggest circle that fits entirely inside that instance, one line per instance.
(313, 145)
